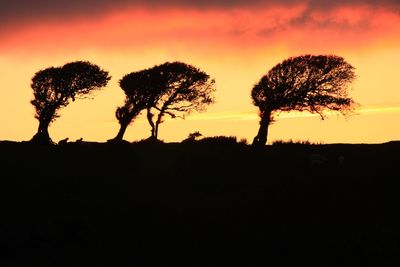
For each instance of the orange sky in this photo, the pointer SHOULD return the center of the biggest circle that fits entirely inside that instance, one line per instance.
(236, 44)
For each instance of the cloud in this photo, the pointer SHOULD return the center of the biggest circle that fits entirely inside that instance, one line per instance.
(31, 10)
(352, 21)
(234, 24)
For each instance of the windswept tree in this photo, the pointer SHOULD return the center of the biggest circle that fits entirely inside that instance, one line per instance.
(185, 89)
(305, 83)
(54, 87)
(142, 90)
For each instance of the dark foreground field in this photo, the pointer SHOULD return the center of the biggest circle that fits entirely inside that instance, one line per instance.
(199, 205)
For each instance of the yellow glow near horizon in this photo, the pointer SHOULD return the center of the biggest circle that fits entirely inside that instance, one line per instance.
(251, 115)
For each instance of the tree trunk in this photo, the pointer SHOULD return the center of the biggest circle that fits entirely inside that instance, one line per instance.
(158, 122)
(156, 130)
(150, 120)
(262, 135)
(121, 132)
(42, 136)
(153, 132)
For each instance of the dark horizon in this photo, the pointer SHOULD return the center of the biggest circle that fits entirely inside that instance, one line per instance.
(203, 203)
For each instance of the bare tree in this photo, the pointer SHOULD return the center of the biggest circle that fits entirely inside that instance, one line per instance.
(305, 83)
(55, 86)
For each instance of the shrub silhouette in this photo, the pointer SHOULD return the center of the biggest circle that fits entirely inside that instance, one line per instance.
(55, 86)
(305, 83)
(219, 140)
(192, 137)
(294, 142)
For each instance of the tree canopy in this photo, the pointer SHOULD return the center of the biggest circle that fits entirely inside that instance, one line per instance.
(53, 88)
(304, 83)
(175, 89)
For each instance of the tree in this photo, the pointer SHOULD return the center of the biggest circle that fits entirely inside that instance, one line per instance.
(142, 90)
(185, 89)
(305, 83)
(175, 89)
(55, 86)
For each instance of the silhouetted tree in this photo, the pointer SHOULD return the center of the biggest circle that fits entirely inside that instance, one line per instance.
(304, 83)
(142, 90)
(173, 88)
(55, 86)
(185, 89)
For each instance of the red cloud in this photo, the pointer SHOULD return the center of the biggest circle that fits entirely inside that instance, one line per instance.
(296, 25)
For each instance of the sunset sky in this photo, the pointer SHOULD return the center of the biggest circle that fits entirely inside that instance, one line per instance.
(236, 42)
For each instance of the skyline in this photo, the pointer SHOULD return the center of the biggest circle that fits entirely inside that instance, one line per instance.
(235, 42)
